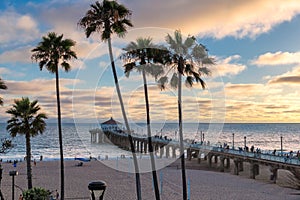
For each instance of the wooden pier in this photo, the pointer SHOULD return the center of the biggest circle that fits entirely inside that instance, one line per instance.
(167, 148)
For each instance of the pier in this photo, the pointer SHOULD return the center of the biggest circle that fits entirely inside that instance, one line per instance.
(224, 157)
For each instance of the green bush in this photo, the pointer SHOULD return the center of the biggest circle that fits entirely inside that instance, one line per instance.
(36, 193)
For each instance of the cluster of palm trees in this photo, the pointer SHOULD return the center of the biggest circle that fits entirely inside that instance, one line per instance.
(182, 57)
(26, 118)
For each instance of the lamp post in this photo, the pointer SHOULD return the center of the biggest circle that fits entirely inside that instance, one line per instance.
(245, 144)
(201, 137)
(233, 141)
(13, 174)
(281, 145)
(97, 189)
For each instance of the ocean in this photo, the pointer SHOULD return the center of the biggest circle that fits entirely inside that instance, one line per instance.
(77, 141)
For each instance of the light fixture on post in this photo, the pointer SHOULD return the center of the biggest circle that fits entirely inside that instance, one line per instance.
(13, 174)
(97, 189)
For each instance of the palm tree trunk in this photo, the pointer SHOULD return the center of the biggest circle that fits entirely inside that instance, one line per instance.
(150, 146)
(183, 176)
(62, 173)
(136, 167)
(1, 172)
(28, 160)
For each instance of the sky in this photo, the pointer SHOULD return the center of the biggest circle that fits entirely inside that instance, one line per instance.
(256, 46)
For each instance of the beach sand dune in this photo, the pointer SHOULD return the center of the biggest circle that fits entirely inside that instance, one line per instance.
(206, 185)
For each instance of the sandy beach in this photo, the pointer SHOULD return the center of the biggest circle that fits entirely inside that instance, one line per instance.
(207, 185)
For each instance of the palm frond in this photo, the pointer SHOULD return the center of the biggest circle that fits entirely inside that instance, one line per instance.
(208, 61)
(66, 66)
(188, 43)
(162, 82)
(199, 52)
(172, 43)
(25, 118)
(155, 70)
(106, 18)
(128, 68)
(2, 85)
(174, 81)
(189, 57)
(204, 71)
(52, 50)
(146, 54)
(201, 81)
(189, 81)
(188, 69)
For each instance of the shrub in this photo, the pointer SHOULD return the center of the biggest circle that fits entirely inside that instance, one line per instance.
(36, 193)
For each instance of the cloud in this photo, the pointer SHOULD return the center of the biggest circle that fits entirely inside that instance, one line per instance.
(243, 91)
(26, 23)
(4, 70)
(61, 17)
(77, 64)
(290, 77)
(286, 79)
(277, 58)
(217, 18)
(17, 28)
(228, 66)
(36, 87)
(22, 54)
(244, 102)
(44, 91)
(88, 50)
(262, 102)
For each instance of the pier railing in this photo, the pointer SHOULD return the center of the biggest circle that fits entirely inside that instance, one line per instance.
(262, 156)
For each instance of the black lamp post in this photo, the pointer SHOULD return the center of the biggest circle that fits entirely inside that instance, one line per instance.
(245, 144)
(97, 189)
(232, 140)
(13, 174)
(281, 145)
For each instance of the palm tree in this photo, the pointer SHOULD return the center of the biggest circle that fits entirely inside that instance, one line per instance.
(50, 52)
(188, 59)
(26, 120)
(2, 87)
(107, 18)
(147, 54)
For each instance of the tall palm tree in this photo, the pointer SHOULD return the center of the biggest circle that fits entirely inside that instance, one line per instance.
(147, 55)
(188, 59)
(107, 18)
(51, 52)
(2, 87)
(26, 120)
